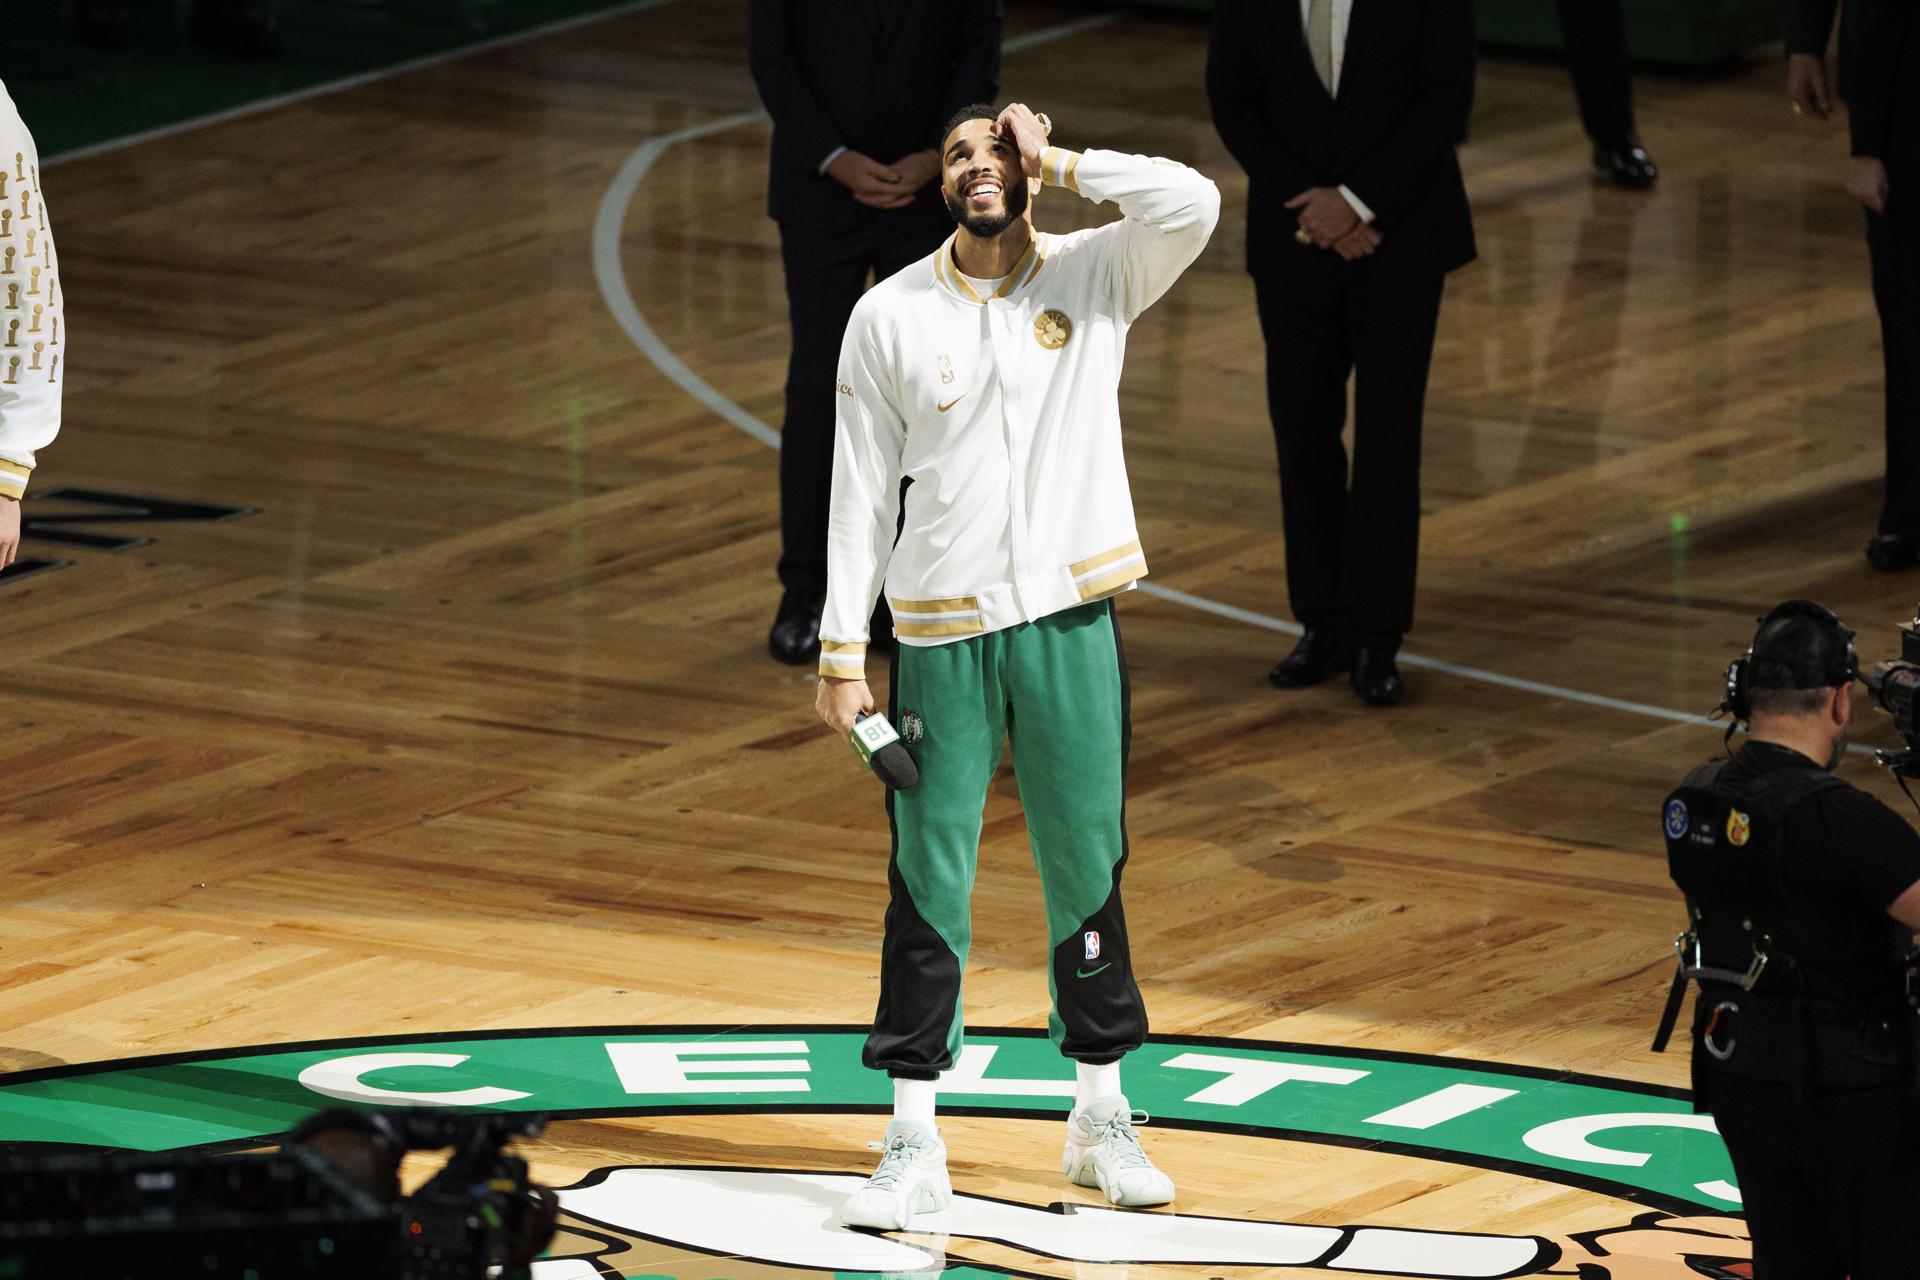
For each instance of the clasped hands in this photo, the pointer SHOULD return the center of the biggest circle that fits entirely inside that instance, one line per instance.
(1331, 223)
(884, 186)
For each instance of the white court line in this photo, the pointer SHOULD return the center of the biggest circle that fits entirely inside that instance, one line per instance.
(610, 273)
(1435, 664)
(350, 82)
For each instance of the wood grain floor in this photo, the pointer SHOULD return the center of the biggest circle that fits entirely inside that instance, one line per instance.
(471, 726)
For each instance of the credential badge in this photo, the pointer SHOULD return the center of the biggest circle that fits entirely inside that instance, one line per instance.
(1739, 828)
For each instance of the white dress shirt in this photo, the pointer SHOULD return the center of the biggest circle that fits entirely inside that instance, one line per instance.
(1342, 18)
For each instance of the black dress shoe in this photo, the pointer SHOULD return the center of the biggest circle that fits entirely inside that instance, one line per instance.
(1376, 677)
(1626, 162)
(1317, 654)
(795, 637)
(1892, 552)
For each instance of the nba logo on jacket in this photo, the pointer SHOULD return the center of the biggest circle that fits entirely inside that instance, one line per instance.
(1093, 945)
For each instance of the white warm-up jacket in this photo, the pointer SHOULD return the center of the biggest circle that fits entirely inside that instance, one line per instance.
(1004, 412)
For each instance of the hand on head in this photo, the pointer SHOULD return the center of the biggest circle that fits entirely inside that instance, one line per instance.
(1018, 125)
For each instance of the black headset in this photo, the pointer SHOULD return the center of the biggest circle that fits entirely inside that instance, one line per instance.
(1738, 701)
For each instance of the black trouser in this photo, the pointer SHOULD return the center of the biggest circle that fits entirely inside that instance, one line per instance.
(1893, 242)
(1595, 33)
(1829, 1182)
(1352, 548)
(826, 274)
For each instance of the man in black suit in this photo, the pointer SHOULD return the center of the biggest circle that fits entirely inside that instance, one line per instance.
(1880, 82)
(1345, 115)
(858, 91)
(1595, 33)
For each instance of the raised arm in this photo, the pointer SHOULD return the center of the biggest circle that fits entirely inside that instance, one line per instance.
(1169, 209)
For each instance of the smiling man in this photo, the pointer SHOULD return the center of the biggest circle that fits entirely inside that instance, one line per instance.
(985, 380)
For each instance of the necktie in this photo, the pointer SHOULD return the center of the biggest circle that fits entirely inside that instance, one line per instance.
(1320, 39)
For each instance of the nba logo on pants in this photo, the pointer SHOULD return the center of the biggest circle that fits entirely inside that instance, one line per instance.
(1093, 945)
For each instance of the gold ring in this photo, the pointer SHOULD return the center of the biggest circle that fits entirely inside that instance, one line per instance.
(1300, 234)
(1046, 125)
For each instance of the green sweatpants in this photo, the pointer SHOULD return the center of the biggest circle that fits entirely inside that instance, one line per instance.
(1056, 687)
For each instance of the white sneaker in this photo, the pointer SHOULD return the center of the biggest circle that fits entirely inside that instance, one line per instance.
(912, 1178)
(1103, 1151)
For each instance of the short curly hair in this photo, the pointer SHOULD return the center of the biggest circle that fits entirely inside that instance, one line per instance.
(972, 111)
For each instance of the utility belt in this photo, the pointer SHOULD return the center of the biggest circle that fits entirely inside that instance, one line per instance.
(1766, 1022)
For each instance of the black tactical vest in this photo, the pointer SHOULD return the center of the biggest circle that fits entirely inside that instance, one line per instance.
(1766, 1011)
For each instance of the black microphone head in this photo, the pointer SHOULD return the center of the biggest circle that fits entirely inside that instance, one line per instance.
(894, 765)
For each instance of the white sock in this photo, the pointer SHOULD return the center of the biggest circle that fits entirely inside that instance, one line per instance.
(913, 1100)
(1090, 1082)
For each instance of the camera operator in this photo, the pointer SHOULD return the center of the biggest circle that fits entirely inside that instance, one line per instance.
(1803, 893)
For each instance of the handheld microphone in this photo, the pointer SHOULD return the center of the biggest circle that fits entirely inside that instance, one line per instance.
(881, 750)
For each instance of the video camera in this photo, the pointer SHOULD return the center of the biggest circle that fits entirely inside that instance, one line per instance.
(481, 1215)
(1894, 685)
(328, 1203)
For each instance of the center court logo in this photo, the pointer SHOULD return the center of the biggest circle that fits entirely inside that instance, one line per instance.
(1618, 1140)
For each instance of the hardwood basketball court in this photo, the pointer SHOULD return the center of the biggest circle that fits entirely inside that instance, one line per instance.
(470, 725)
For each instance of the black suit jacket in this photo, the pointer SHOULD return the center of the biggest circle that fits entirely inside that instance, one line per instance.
(1883, 114)
(1406, 90)
(876, 77)
(1809, 23)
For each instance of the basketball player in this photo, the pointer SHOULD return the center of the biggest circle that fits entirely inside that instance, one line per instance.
(31, 341)
(985, 378)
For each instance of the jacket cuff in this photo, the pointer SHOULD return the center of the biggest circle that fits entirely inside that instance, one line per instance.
(843, 659)
(13, 479)
(1057, 167)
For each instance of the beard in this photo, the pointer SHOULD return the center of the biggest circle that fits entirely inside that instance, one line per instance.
(1839, 751)
(985, 226)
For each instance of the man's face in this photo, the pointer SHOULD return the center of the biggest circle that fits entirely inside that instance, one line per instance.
(981, 179)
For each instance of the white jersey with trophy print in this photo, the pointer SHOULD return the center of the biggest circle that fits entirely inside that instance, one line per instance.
(1003, 414)
(32, 339)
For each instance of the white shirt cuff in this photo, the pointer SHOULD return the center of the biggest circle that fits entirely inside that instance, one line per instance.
(837, 152)
(1359, 205)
